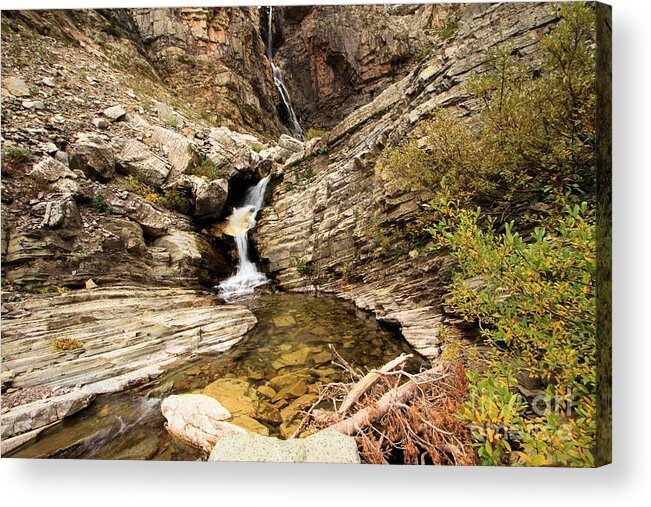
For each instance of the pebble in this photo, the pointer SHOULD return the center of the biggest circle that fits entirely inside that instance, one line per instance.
(36, 104)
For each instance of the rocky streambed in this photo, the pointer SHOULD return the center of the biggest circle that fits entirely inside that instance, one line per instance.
(265, 381)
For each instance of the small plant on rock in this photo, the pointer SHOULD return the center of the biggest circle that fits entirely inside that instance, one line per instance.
(208, 169)
(305, 268)
(15, 154)
(100, 204)
(66, 343)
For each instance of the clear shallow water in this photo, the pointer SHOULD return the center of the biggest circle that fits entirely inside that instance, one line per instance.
(287, 351)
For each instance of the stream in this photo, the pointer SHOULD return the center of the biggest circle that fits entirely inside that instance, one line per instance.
(265, 381)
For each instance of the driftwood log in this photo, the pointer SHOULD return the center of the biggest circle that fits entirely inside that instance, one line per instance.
(390, 400)
(368, 380)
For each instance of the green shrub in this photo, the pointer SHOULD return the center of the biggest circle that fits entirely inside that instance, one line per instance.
(423, 54)
(535, 301)
(171, 199)
(448, 30)
(538, 126)
(14, 154)
(100, 204)
(305, 268)
(135, 186)
(172, 121)
(208, 169)
(112, 28)
(313, 133)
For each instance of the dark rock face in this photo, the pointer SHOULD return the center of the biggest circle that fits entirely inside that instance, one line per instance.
(334, 214)
(336, 58)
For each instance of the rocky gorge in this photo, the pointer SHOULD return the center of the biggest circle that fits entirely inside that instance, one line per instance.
(129, 136)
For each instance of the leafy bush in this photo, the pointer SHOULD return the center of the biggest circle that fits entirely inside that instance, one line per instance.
(135, 186)
(112, 28)
(172, 121)
(100, 204)
(423, 54)
(14, 154)
(305, 268)
(535, 301)
(313, 133)
(538, 132)
(208, 169)
(448, 30)
(171, 199)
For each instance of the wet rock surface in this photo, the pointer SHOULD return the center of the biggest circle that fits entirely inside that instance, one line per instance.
(103, 340)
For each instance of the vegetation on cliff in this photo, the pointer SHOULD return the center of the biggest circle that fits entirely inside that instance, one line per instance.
(515, 207)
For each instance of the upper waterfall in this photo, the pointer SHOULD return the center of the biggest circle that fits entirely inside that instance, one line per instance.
(277, 75)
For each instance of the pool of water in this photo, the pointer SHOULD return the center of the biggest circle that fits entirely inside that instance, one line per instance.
(265, 381)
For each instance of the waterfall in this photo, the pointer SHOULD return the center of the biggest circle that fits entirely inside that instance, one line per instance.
(277, 75)
(241, 221)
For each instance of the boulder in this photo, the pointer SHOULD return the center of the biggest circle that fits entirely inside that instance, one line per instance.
(34, 104)
(291, 144)
(51, 170)
(187, 251)
(114, 113)
(210, 198)
(325, 447)
(100, 123)
(231, 151)
(137, 160)
(179, 151)
(59, 213)
(154, 222)
(42, 412)
(198, 420)
(16, 87)
(93, 156)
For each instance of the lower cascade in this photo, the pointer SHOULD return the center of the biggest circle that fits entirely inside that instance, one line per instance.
(241, 221)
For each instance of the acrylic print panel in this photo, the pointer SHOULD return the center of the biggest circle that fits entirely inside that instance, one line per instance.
(343, 234)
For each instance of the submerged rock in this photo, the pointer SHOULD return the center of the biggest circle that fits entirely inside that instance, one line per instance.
(326, 447)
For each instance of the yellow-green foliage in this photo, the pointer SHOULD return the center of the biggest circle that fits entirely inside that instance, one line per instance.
(134, 185)
(207, 168)
(15, 154)
(533, 293)
(66, 343)
(535, 300)
(538, 125)
(314, 133)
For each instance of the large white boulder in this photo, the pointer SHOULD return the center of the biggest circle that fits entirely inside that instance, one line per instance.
(198, 420)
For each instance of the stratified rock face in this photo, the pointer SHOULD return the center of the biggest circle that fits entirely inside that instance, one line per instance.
(332, 212)
(215, 58)
(325, 447)
(79, 344)
(336, 58)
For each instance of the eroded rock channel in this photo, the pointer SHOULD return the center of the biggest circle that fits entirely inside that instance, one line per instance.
(265, 381)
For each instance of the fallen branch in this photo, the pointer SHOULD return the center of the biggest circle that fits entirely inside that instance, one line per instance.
(399, 395)
(369, 379)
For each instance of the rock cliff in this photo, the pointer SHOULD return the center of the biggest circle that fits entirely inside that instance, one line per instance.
(336, 59)
(335, 225)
